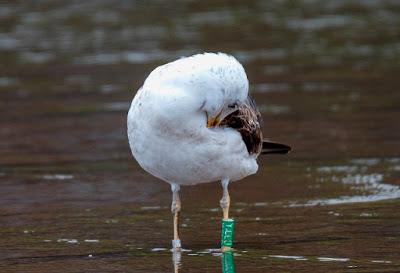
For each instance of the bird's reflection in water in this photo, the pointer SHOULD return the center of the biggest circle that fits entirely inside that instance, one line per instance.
(228, 265)
(227, 261)
(176, 260)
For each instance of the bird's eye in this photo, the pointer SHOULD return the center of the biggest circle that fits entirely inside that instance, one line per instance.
(233, 105)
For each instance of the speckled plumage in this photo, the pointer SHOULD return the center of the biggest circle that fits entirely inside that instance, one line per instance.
(247, 121)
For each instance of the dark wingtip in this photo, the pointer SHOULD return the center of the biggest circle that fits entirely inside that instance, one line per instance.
(269, 147)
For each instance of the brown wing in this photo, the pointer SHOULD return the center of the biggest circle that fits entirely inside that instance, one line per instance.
(247, 121)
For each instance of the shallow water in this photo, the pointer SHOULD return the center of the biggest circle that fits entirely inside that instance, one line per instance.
(324, 74)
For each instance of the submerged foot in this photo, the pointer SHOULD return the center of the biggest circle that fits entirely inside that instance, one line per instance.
(176, 245)
(226, 249)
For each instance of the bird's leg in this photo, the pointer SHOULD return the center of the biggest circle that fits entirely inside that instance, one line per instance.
(225, 200)
(228, 225)
(175, 209)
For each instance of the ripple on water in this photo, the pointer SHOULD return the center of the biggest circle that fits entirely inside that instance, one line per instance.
(366, 186)
(150, 208)
(298, 258)
(330, 259)
(68, 241)
(58, 176)
(132, 57)
(7, 81)
(381, 262)
(320, 22)
(157, 249)
(117, 106)
(271, 87)
(274, 109)
(91, 240)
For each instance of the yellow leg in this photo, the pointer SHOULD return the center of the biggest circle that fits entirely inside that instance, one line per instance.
(175, 209)
(225, 201)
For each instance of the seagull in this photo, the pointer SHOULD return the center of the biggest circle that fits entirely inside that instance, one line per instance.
(194, 122)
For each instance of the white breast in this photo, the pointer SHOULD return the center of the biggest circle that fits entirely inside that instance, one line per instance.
(167, 130)
(185, 153)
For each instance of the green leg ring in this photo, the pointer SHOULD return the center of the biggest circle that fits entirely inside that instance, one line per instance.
(227, 232)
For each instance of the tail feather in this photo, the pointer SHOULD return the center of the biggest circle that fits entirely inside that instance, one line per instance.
(269, 147)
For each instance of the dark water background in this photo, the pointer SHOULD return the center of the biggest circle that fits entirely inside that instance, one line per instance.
(324, 73)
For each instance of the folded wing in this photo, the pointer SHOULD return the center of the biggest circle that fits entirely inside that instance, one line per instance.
(247, 121)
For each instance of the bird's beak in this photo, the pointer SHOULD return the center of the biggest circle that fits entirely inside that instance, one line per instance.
(213, 121)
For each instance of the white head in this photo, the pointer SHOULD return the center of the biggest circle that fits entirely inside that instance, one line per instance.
(215, 83)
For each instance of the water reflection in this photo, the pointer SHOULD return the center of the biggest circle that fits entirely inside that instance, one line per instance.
(176, 260)
(227, 261)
